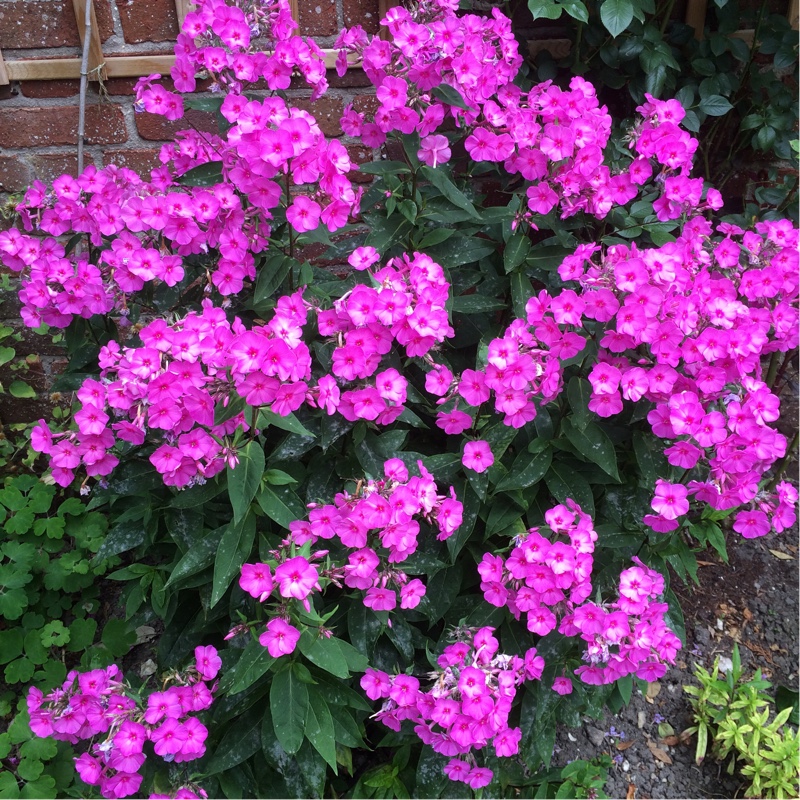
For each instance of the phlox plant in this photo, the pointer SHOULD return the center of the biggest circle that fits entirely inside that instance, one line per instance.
(457, 463)
(100, 707)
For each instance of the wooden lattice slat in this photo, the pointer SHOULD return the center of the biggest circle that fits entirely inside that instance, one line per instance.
(96, 58)
(383, 7)
(182, 8)
(4, 80)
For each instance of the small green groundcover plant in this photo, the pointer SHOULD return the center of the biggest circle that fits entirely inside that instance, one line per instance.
(735, 721)
(410, 511)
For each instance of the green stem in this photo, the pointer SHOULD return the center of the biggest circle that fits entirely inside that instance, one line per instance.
(774, 360)
(667, 15)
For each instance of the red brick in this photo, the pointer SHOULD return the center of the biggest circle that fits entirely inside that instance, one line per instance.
(159, 129)
(15, 174)
(40, 127)
(148, 20)
(366, 104)
(318, 18)
(352, 79)
(359, 154)
(49, 166)
(362, 12)
(46, 23)
(39, 89)
(141, 161)
(327, 111)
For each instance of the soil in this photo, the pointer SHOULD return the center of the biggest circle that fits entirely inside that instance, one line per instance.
(753, 601)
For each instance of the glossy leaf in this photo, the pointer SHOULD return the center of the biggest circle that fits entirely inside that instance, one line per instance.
(234, 548)
(288, 700)
(244, 480)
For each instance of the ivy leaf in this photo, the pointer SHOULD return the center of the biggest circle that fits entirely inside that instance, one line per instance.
(616, 15)
(715, 105)
(21, 390)
(288, 700)
(243, 482)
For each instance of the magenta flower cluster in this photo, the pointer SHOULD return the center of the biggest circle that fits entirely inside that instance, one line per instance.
(467, 705)
(379, 527)
(547, 577)
(99, 707)
(184, 371)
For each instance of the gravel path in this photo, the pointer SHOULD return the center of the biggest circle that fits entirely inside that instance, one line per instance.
(753, 600)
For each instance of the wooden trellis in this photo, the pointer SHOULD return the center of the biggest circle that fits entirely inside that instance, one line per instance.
(134, 66)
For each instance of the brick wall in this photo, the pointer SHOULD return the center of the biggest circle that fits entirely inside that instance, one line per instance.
(39, 122)
(39, 119)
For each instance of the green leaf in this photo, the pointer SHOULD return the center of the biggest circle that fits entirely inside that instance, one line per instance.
(546, 9)
(6, 354)
(564, 482)
(121, 538)
(616, 15)
(208, 174)
(324, 652)
(243, 482)
(579, 392)
(43, 749)
(10, 644)
(319, 728)
(450, 95)
(8, 786)
(576, 9)
(271, 274)
(593, 443)
(476, 304)
(81, 634)
(440, 180)
(241, 740)
(288, 423)
(527, 470)
(281, 504)
(715, 105)
(54, 634)
(516, 251)
(788, 698)
(288, 699)
(253, 663)
(199, 556)
(19, 671)
(277, 477)
(118, 637)
(234, 548)
(649, 457)
(21, 390)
